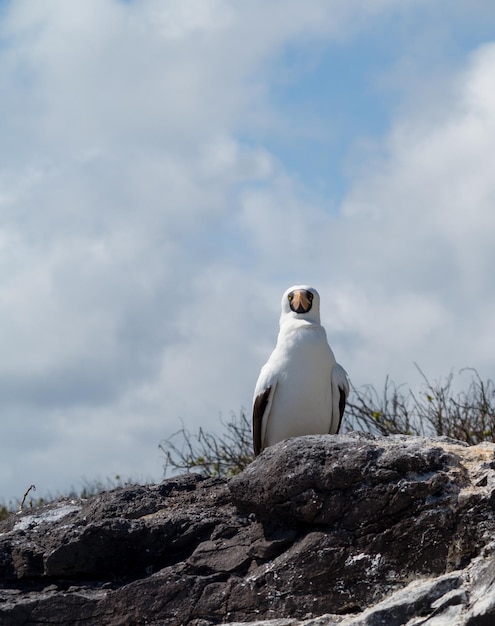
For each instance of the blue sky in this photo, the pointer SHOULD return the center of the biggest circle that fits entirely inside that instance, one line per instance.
(339, 94)
(169, 167)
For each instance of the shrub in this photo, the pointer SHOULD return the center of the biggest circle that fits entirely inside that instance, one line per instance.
(222, 455)
(435, 410)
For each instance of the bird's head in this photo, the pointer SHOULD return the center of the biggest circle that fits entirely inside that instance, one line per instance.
(301, 302)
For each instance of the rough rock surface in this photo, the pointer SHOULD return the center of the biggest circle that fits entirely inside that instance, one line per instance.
(348, 529)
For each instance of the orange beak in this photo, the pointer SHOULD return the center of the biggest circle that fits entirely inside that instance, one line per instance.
(301, 301)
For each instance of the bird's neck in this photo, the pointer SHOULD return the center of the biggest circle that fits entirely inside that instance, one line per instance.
(296, 325)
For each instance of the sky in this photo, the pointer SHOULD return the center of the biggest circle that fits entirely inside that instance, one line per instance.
(169, 167)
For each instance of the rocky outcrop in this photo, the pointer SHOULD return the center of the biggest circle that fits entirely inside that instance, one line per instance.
(348, 529)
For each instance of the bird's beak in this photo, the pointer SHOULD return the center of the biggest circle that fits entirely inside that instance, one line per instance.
(301, 302)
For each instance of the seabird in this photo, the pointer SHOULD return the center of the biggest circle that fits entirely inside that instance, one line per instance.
(301, 390)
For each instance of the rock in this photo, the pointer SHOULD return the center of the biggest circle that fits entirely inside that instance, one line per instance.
(353, 529)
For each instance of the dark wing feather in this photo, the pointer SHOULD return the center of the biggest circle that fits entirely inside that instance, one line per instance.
(259, 409)
(342, 399)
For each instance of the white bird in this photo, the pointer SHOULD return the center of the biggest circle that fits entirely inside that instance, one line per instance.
(301, 390)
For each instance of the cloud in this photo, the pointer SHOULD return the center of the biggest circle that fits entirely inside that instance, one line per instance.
(120, 178)
(147, 229)
(423, 220)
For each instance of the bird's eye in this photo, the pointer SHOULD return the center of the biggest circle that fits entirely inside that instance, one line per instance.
(310, 295)
(290, 297)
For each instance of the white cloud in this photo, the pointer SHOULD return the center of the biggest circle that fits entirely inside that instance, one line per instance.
(118, 163)
(145, 240)
(424, 223)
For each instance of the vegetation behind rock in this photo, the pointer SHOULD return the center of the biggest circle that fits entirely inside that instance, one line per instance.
(436, 410)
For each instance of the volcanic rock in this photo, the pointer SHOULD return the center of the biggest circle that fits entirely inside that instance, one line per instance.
(319, 530)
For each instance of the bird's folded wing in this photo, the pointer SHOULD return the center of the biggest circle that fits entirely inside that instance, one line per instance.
(261, 409)
(340, 391)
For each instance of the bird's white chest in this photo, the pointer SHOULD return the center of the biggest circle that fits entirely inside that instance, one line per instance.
(302, 403)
